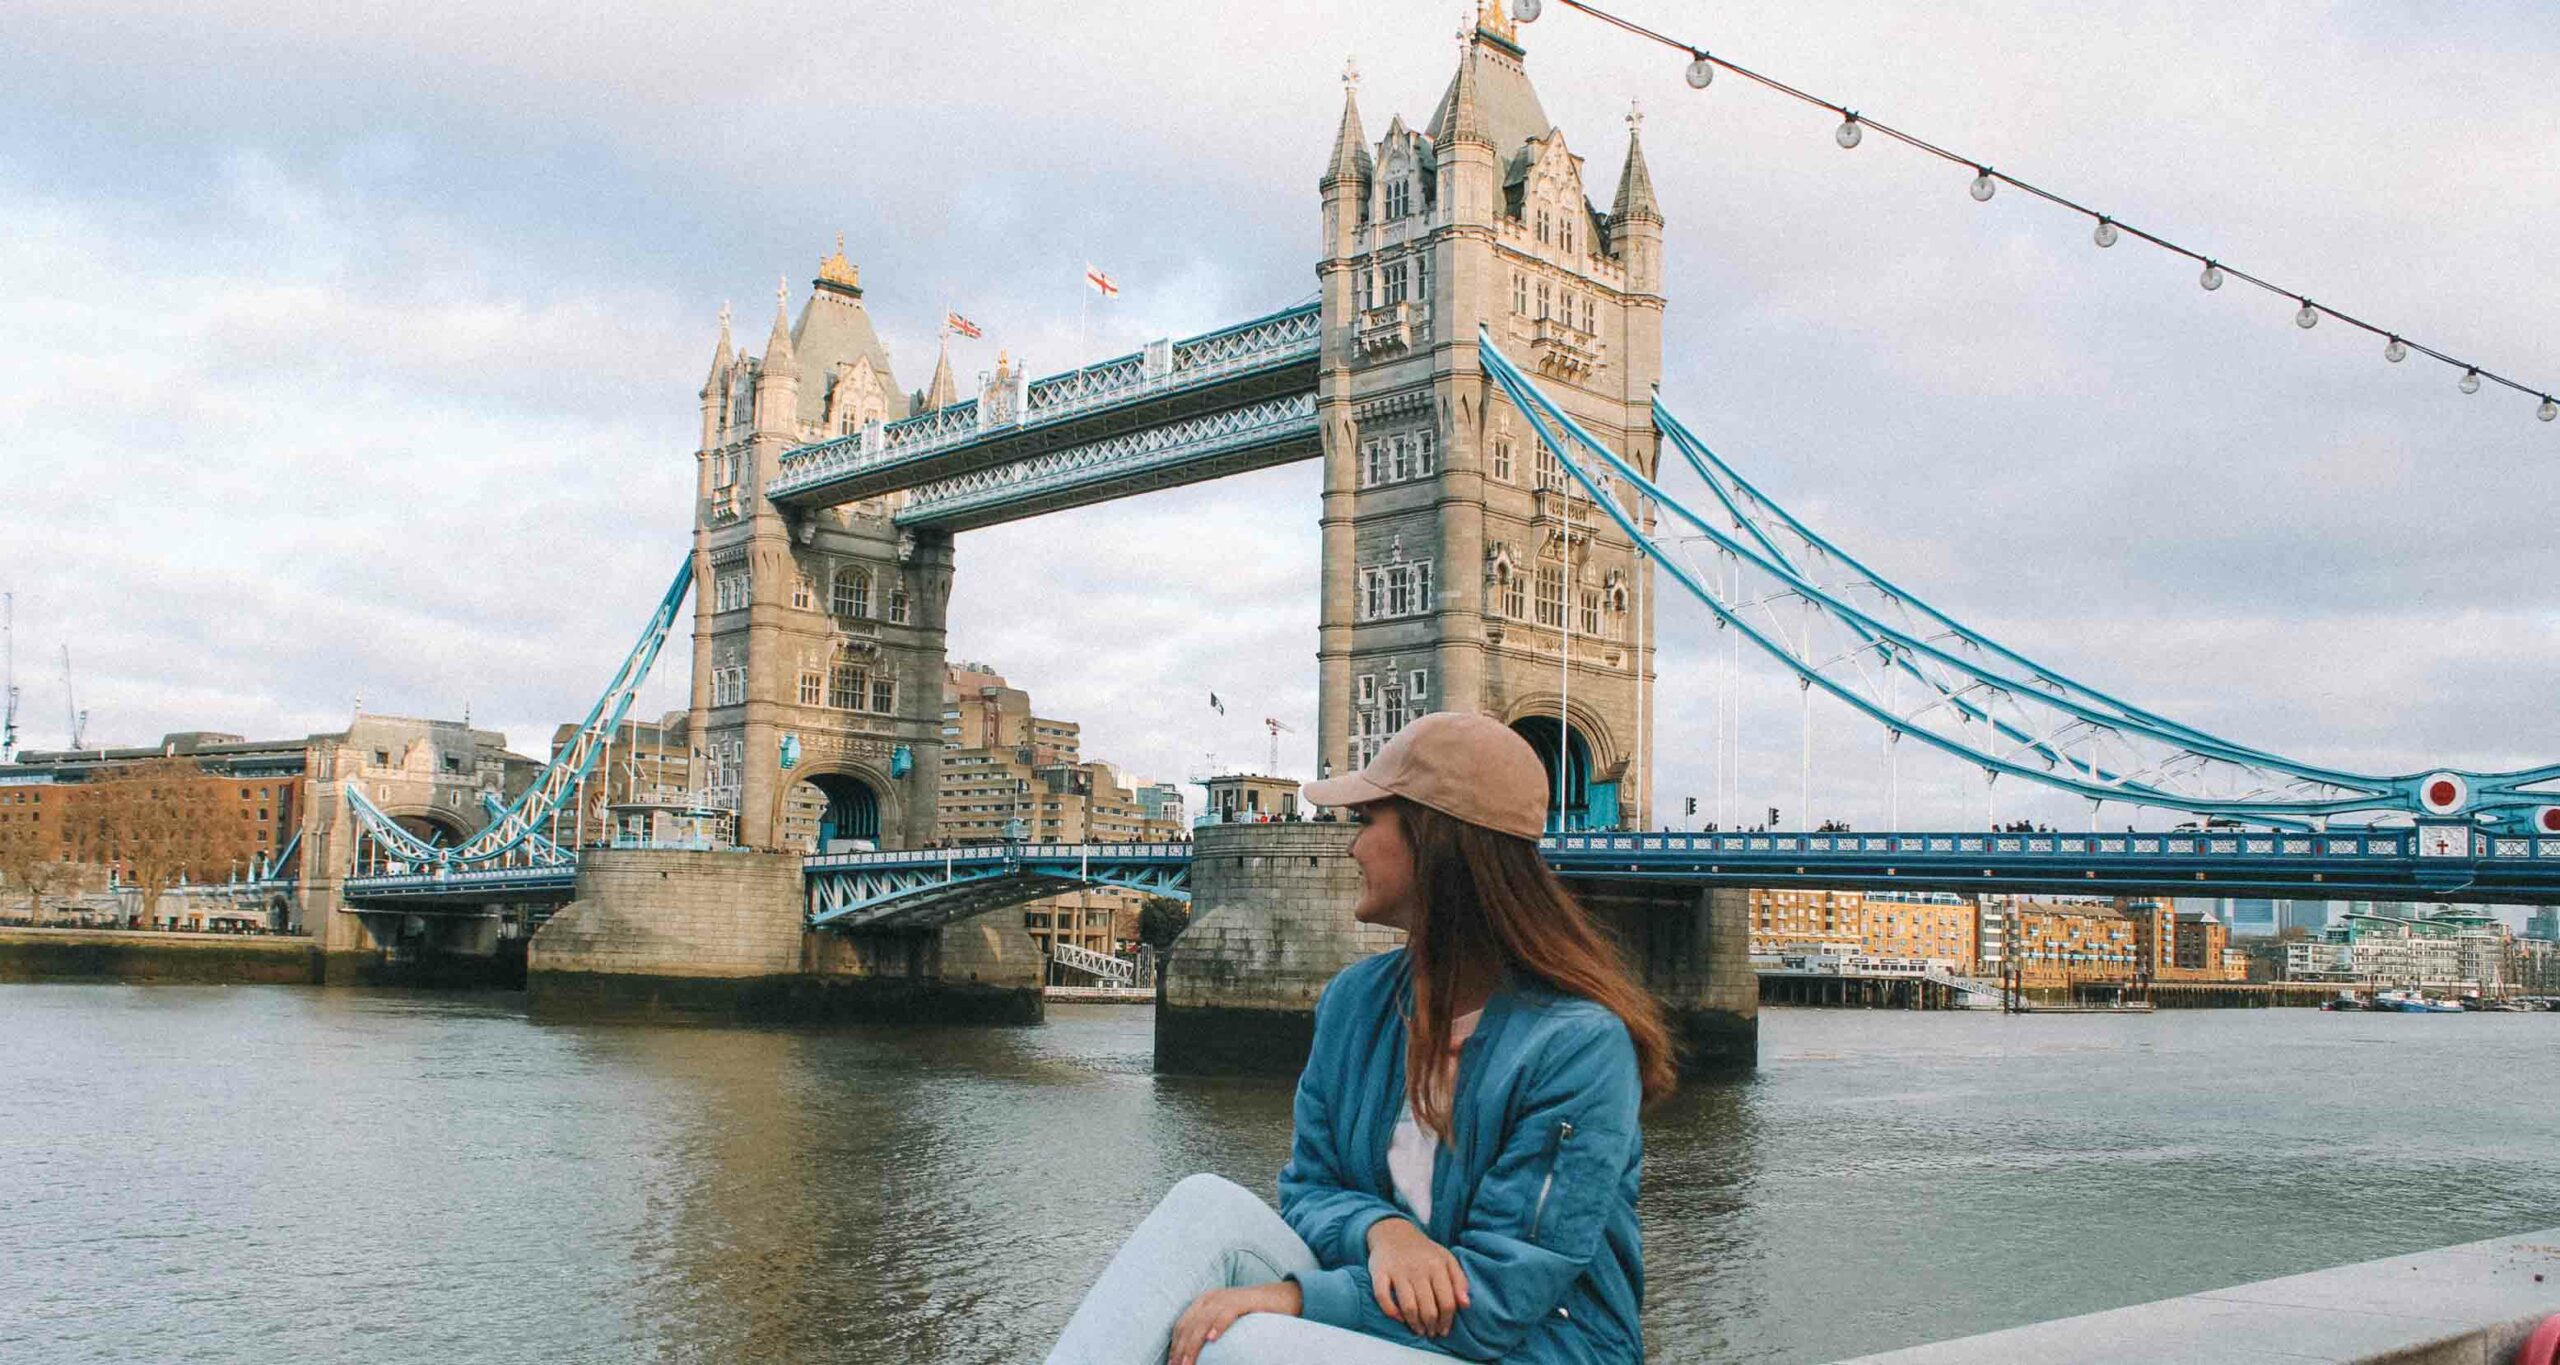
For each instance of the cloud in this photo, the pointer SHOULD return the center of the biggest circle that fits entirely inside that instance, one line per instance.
(355, 349)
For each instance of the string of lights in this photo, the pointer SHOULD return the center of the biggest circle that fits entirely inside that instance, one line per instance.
(1987, 180)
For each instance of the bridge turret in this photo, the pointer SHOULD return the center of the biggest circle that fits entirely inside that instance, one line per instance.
(715, 390)
(1635, 221)
(1470, 189)
(1346, 176)
(778, 379)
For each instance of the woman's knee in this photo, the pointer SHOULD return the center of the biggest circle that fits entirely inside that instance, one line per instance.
(1207, 1196)
(1255, 1339)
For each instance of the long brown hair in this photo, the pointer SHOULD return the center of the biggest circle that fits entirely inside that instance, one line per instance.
(1489, 902)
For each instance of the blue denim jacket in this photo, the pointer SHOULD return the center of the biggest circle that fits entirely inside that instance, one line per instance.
(1536, 1193)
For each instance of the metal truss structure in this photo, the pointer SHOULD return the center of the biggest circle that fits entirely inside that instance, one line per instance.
(1214, 445)
(924, 888)
(515, 849)
(1165, 375)
(1118, 971)
(1920, 674)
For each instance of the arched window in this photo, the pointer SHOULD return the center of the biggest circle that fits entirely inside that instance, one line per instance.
(852, 594)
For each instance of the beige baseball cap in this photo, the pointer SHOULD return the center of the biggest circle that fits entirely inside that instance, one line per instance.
(1460, 764)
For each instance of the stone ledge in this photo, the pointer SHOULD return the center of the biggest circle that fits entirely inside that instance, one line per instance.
(2463, 1305)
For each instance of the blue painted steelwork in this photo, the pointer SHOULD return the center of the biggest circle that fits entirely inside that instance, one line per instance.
(513, 837)
(919, 888)
(2440, 861)
(464, 888)
(826, 471)
(1156, 456)
(2032, 723)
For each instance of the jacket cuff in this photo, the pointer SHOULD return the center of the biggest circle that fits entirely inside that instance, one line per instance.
(1331, 1297)
(1355, 1232)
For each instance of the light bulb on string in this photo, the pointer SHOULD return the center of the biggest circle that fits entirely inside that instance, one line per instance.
(1702, 70)
(2309, 317)
(1983, 185)
(2212, 276)
(2549, 411)
(2470, 381)
(1527, 11)
(2105, 236)
(1848, 134)
(2395, 350)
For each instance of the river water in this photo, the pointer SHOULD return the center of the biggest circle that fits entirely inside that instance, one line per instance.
(274, 1173)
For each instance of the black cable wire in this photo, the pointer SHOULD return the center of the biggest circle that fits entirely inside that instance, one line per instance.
(1984, 169)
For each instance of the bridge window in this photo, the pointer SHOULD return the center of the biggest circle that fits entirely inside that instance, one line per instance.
(1551, 595)
(1515, 594)
(1551, 473)
(884, 695)
(804, 592)
(813, 687)
(1391, 283)
(1543, 300)
(852, 593)
(898, 610)
(1373, 463)
(731, 589)
(1519, 293)
(1392, 590)
(1545, 227)
(1417, 684)
(1399, 197)
(729, 685)
(1590, 611)
(846, 685)
(1365, 692)
(1502, 458)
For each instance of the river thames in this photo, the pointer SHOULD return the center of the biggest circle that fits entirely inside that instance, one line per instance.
(270, 1173)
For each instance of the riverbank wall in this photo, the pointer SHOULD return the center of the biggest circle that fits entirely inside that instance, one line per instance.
(2464, 1305)
(723, 936)
(146, 956)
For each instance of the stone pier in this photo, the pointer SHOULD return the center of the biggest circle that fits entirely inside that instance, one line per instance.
(1271, 924)
(721, 935)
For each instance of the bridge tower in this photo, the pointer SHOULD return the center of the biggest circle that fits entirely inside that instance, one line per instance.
(1462, 569)
(818, 633)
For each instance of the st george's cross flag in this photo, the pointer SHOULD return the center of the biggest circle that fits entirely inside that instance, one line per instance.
(956, 323)
(1101, 283)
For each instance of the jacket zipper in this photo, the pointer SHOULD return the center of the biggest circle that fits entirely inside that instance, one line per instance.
(1564, 1130)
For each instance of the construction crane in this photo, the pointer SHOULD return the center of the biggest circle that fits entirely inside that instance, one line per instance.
(1277, 729)
(78, 718)
(9, 675)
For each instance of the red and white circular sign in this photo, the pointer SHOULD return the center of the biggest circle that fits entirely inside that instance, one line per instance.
(2547, 819)
(2443, 793)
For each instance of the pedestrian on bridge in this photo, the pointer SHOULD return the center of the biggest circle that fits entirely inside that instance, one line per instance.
(1463, 1177)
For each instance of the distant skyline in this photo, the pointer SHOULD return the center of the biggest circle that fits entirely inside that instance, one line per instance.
(355, 351)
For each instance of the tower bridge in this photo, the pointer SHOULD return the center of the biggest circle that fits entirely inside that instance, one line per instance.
(1478, 377)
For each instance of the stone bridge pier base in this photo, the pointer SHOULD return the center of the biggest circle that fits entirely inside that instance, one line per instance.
(722, 936)
(1271, 924)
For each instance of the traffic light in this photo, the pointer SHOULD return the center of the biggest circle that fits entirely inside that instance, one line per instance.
(1773, 817)
(1690, 806)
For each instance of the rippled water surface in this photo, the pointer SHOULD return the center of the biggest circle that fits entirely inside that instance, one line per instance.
(276, 1173)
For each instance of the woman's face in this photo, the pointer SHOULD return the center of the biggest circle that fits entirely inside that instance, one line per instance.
(1386, 867)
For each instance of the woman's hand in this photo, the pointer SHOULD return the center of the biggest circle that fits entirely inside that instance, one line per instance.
(1212, 1313)
(1418, 1282)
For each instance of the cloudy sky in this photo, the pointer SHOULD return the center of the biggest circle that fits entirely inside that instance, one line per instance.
(352, 349)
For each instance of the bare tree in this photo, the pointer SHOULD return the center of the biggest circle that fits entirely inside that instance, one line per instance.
(159, 821)
(31, 859)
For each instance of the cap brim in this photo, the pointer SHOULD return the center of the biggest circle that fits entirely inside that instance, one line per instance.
(1351, 789)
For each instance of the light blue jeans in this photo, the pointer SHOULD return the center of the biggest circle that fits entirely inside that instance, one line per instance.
(1209, 1234)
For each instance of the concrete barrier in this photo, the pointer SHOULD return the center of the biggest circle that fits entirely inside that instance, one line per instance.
(2463, 1305)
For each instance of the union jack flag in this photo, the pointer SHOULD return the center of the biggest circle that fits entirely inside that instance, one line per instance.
(956, 323)
(1101, 283)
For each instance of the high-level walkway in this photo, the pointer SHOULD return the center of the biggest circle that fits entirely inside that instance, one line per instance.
(1176, 412)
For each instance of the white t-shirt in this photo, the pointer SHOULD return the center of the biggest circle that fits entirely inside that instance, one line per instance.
(1413, 1148)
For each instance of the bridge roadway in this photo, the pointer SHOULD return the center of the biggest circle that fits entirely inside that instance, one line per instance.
(921, 888)
(1175, 412)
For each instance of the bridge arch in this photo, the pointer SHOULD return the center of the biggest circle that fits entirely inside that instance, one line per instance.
(435, 824)
(1593, 767)
(842, 799)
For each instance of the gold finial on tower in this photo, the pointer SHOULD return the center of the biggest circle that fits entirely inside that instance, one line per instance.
(1491, 19)
(1350, 73)
(836, 269)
